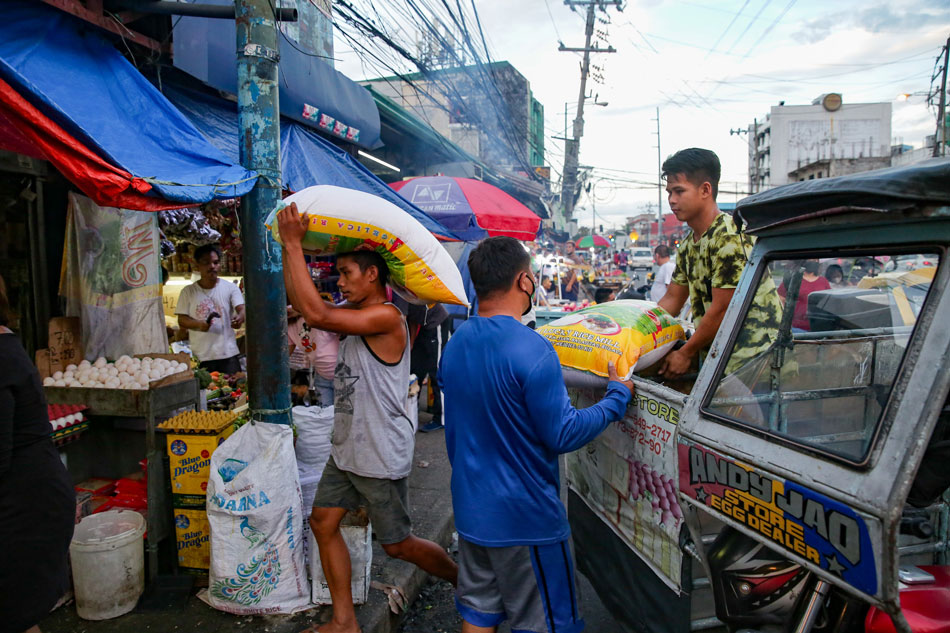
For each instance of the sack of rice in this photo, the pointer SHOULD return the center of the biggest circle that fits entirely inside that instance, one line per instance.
(344, 220)
(632, 334)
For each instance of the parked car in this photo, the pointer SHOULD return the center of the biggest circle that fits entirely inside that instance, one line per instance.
(640, 258)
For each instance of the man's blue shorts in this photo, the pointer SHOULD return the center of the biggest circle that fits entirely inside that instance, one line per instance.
(531, 586)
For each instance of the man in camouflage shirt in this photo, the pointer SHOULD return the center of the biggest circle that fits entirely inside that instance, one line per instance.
(709, 264)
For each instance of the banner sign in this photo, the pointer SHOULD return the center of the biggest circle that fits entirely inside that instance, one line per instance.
(628, 475)
(801, 521)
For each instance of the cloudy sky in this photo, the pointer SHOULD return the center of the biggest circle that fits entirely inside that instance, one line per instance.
(710, 66)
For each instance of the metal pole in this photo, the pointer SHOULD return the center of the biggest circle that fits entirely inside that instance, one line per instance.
(940, 147)
(268, 366)
(573, 148)
(659, 184)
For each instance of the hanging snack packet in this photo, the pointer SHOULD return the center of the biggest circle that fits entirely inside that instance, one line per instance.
(632, 334)
(345, 220)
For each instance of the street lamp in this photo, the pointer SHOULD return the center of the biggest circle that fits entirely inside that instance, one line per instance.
(904, 96)
(567, 103)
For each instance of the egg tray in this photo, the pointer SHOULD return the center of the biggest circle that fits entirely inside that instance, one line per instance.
(199, 422)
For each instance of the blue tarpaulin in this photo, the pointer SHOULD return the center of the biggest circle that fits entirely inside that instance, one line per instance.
(306, 159)
(309, 87)
(68, 71)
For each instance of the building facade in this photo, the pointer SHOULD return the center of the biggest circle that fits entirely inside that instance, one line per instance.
(803, 137)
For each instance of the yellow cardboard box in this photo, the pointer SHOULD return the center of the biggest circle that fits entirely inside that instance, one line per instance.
(193, 538)
(189, 464)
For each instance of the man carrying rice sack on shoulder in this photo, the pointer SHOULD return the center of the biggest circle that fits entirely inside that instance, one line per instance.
(373, 438)
(709, 264)
(507, 418)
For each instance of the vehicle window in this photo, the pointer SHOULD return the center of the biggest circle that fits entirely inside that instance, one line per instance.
(822, 375)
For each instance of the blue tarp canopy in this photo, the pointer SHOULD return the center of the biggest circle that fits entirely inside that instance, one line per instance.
(306, 159)
(77, 79)
(205, 49)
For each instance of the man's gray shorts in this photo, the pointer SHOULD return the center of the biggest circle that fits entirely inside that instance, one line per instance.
(386, 500)
(531, 586)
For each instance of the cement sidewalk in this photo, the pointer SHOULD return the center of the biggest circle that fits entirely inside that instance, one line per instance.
(431, 511)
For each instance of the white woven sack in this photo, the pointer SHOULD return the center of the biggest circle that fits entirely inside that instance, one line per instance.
(254, 509)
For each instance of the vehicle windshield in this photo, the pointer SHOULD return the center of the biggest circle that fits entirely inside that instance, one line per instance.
(828, 368)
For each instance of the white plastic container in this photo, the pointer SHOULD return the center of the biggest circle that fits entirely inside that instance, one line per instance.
(108, 561)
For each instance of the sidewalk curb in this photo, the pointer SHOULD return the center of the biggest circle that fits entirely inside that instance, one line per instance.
(379, 618)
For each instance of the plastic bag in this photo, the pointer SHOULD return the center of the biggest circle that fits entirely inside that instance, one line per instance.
(257, 537)
(344, 220)
(633, 334)
(111, 279)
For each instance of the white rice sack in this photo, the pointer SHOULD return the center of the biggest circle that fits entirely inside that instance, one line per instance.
(345, 220)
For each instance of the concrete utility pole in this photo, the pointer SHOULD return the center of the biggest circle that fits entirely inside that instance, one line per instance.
(569, 178)
(268, 365)
(940, 147)
(659, 183)
(753, 153)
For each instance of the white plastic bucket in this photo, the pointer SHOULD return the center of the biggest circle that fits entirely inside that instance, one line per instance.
(108, 560)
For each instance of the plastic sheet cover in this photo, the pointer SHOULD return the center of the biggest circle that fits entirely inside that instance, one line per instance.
(83, 87)
(111, 279)
(306, 159)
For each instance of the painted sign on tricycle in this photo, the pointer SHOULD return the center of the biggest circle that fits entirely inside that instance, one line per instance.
(628, 477)
(801, 521)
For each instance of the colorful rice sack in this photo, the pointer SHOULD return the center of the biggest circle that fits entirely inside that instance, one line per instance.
(632, 334)
(344, 220)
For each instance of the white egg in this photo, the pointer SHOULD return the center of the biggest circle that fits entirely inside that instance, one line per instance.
(154, 374)
(74, 383)
(71, 367)
(58, 375)
(125, 358)
(112, 371)
(49, 382)
(84, 363)
(139, 386)
(100, 362)
(142, 378)
(67, 375)
(147, 359)
(59, 383)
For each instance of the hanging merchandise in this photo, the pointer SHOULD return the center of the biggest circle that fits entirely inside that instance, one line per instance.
(633, 334)
(344, 220)
(112, 279)
(254, 508)
(188, 224)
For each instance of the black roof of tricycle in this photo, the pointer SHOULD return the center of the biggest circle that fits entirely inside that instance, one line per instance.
(885, 190)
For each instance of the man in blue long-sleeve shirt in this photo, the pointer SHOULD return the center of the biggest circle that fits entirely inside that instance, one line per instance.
(507, 419)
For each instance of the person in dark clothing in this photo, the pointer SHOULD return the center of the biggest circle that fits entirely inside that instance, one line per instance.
(37, 501)
(426, 331)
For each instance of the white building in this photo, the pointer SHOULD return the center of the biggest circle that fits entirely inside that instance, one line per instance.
(793, 137)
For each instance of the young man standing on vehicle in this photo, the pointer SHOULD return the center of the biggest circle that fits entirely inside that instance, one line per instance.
(709, 264)
(507, 418)
(373, 439)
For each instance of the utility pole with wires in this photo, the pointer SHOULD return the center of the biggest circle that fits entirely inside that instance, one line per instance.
(753, 134)
(569, 177)
(659, 183)
(940, 147)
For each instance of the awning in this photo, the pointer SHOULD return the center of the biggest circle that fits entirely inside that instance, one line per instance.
(311, 90)
(306, 159)
(68, 96)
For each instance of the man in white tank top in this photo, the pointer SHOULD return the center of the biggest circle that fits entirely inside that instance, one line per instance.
(373, 439)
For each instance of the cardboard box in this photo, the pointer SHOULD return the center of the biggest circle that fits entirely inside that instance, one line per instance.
(189, 464)
(358, 536)
(193, 538)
